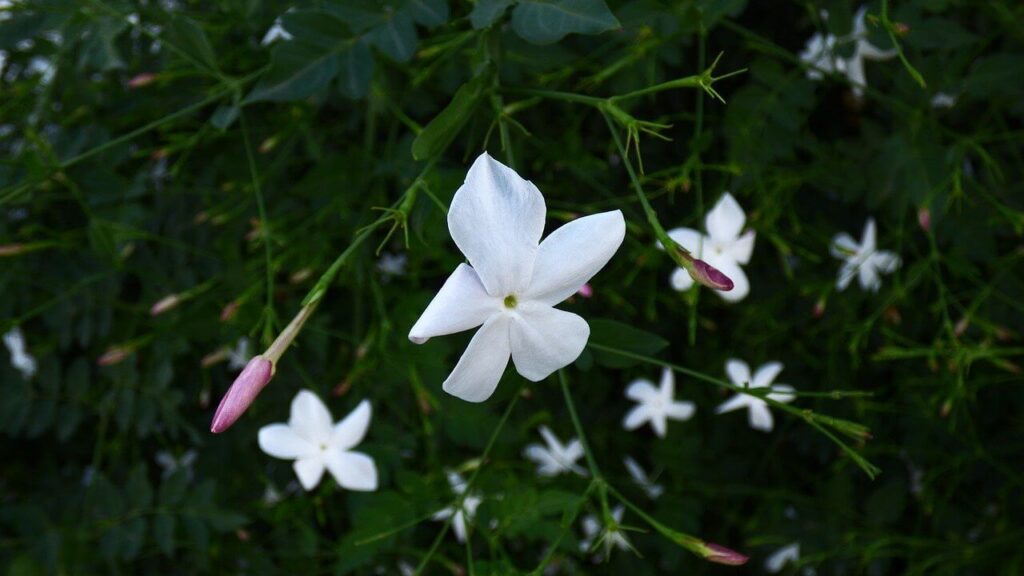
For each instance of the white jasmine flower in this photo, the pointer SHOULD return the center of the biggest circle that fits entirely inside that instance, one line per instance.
(778, 560)
(21, 360)
(725, 247)
(513, 281)
(610, 536)
(819, 56)
(463, 515)
(172, 464)
(392, 264)
(760, 416)
(313, 440)
(640, 477)
(656, 405)
(863, 260)
(274, 33)
(240, 355)
(556, 458)
(943, 100)
(863, 50)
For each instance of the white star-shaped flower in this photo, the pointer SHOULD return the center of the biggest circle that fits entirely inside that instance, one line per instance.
(819, 56)
(656, 405)
(555, 458)
(760, 416)
(240, 355)
(21, 360)
(725, 247)
(778, 560)
(642, 480)
(171, 463)
(315, 443)
(863, 260)
(463, 516)
(863, 50)
(513, 281)
(594, 533)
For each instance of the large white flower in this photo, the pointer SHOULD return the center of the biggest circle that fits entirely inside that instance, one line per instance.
(778, 560)
(595, 533)
(863, 260)
(725, 247)
(642, 480)
(656, 404)
(513, 281)
(555, 458)
(315, 442)
(760, 416)
(21, 360)
(463, 515)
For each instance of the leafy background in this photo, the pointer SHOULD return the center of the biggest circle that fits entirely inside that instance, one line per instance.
(234, 173)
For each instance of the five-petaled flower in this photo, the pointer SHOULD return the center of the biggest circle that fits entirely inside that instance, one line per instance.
(656, 404)
(513, 281)
(819, 54)
(759, 414)
(315, 442)
(462, 515)
(555, 458)
(725, 247)
(594, 533)
(863, 260)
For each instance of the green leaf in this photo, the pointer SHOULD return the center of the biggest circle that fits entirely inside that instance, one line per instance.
(138, 490)
(548, 21)
(487, 12)
(429, 12)
(224, 116)
(355, 71)
(297, 71)
(440, 132)
(396, 37)
(190, 38)
(172, 490)
(163, 533)
(613, 334)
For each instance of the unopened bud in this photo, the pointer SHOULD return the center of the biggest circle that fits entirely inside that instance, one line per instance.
(243, 391)
(215, 357)
(901, 28)
(961, 326)
(300, 276)
(164, 304)
(722, 555)
(586, 291)
(113, 355)
(707, 275)
(13, 249)
(924, 219)
(229, 311)
(140, 80)
(268, 145)
(819, 308)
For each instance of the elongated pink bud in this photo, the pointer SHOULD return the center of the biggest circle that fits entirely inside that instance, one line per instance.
(164, 304)
(140, 80)
(586, 291)
(722, 555)
(229, 310)
(113, 355)
(12, 249)
(707, 275)
(924, 219)
(247, 386)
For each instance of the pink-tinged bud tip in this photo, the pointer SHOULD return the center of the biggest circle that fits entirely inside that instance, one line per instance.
(243, 391)
(924, 219)
(586, 291)
(112, 356)
(164, 304)
(12, 249)
(722, 555)
(707, 275)
(228, 312)
(140, 80)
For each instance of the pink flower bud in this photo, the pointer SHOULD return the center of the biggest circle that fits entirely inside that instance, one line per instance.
(140, 80)
(924, 219)
(247, 386)
(12, 249)
(228, 312)
(707, 275)
(164, 304)
(722, 555)
(585, 291)
(113, 355)
(819, 308)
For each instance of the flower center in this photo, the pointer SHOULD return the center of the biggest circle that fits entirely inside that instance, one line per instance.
(510, 301)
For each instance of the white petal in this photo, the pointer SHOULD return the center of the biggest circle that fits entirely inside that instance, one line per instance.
(554, 444)
(659, 424)
(885, 261)
(496, 219)
(280, 441)
(868, 277)
(310, 418)
(736, 402)
(443, 514)
(766, 374)
(351, 430)
(868, 238)
(742, 248)
(459, 526)
(637, 417)
(545, 339)
(573, 452)
(309, 471)
(680, 410)
(635, 470)
(777, 561)
(573, 254)
(641, 390)
(740, 284)
(868, 50)
(738, 371)
(782, 393)
(725, 221)
(760, 416)
(681, 280)
(462, 303)
(667, 384)
(855, 75)
(843, 246)
(846, 273)
(542, 456)
(480, 368)
(688, 238)
(352, 470)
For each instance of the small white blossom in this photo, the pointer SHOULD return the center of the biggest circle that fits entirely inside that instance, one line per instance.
(863, 260)
(778, 560)
(392, 264)
(943, 100)
(594, 533)
(656, 404)
(315, 443)
(21, 360)
(240, 355)
(641, 479)
(172, 464)
(759, 414)
(555, 458)
(462, 516)
(820, 58)
(725, 247)
(274, 33)
(819, 54)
